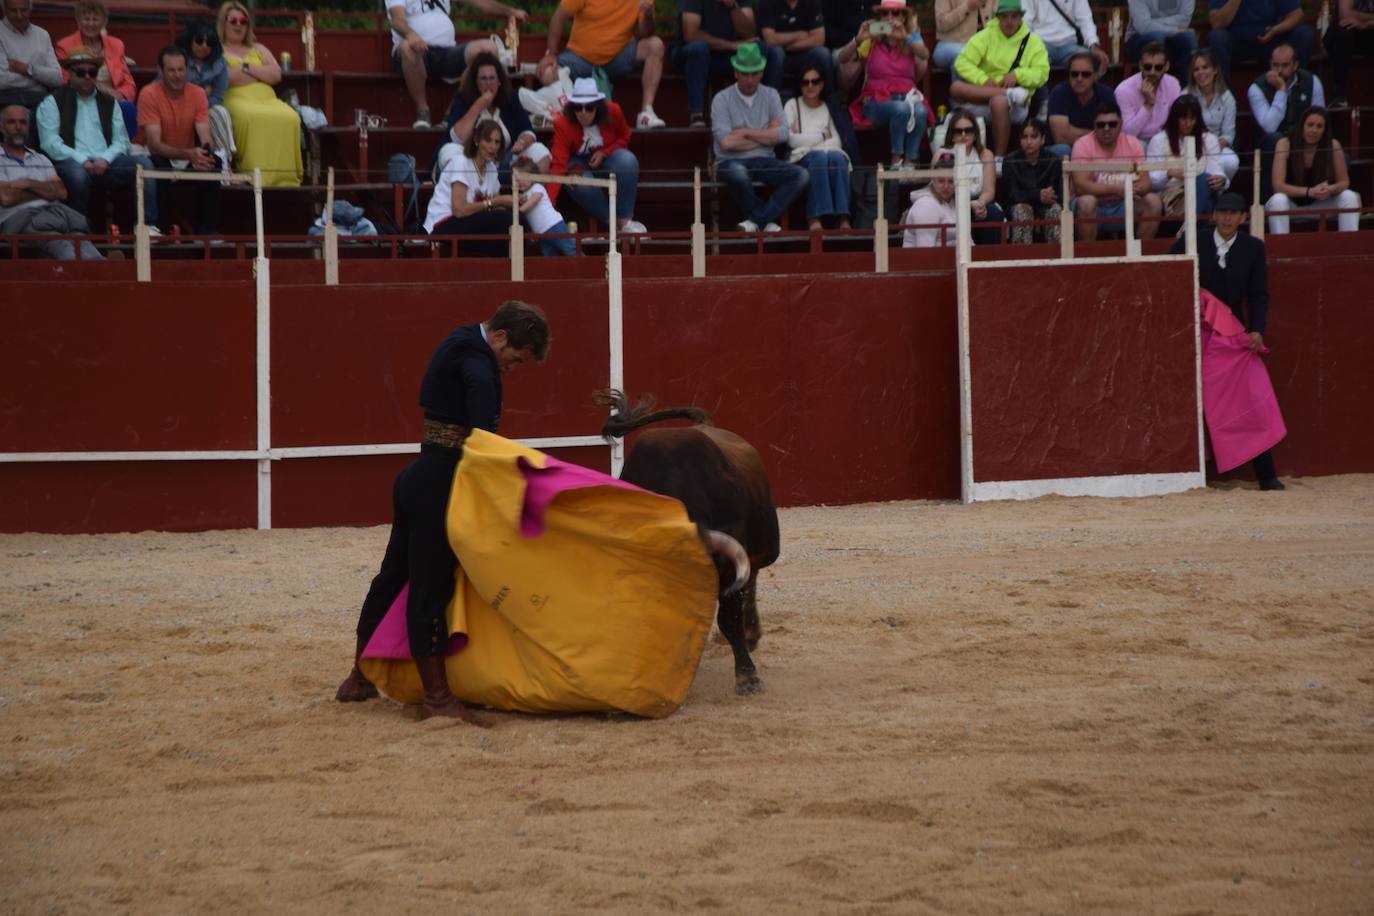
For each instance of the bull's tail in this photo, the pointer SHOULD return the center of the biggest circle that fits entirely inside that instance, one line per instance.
(625, 419)
(720, 544)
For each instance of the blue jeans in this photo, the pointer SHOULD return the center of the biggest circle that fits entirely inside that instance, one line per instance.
(945, 54)
(1230, 46)
(118, 176)
(699, 64)
(786, 180)
(827, 193)
(895, 113)
(1179, 46)
(594, 201)
(783, 64)
(1060, 54)
(558, 248)
(623, 64)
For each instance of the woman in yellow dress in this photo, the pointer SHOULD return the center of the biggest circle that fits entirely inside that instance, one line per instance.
(267, 131)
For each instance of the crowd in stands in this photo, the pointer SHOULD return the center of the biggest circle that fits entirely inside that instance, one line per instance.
(806, 74)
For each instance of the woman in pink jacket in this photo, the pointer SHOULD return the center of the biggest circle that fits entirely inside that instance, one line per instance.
(114, 78)
(592, 137)
(894, 60)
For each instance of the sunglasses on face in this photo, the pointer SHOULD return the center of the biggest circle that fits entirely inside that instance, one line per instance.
(589, 107)
(1107, 125)
(960, 131)
(236, 20)
(201, 40)
(891, 14)
(1080, 74)
(1153, 68)
(84, 71)
(813, 82)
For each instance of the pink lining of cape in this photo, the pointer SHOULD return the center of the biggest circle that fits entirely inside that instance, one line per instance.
(1238, 402)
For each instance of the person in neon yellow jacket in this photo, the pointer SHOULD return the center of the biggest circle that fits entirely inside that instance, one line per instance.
(999, 71)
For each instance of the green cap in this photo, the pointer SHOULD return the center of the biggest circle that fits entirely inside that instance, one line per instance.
(749, 58)
(1008, 6)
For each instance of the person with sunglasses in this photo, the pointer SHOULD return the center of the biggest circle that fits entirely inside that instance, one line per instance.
(82, 131)
(894, 60)
(592, 136)
(980, 172)
(267, 131)
(114, 78)
(822, 142)
(1074, 104)
(1100, 194)
(1146, 97)
(206, 68)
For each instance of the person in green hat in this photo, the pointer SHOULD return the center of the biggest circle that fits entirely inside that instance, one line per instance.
(999, 70)
(746, 124)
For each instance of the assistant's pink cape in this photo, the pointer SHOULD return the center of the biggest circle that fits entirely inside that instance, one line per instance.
(1238, 400)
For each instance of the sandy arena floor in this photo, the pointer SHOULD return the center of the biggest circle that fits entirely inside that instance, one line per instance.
(1067, 706)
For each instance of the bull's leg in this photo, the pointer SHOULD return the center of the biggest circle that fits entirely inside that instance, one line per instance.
(731, 621)
(753, 632)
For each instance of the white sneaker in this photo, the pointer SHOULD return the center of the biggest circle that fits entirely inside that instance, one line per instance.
(1017, 96)
(748, 225)
(633, 227)
(648, 120)
(772, 227)
(997, 164)
(154, 232)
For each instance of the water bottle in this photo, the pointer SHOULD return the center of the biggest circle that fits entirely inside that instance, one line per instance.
(286, 61)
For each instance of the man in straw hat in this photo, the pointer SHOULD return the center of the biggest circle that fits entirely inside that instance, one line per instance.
(746, 123)
(999, 70)
(82, 131)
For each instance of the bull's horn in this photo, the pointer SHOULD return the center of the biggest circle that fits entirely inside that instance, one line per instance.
(721, 544)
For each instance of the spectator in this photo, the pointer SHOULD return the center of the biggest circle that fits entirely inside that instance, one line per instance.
(823, 143)
(538, 212)
(1146, 97)
(894, 59)
(31, 194)
(793, 33)
(1185, 120)
(175, 118)
(1218, 108)
(711, 30)
(1067, 28)
(1277, 97)
(1166, 22)
(1034, 177)
(1353, 30)
(545, 104)
(1246, 30)
(592, 136)
(1099, 194)
(842, 21)
(1310, 173)
(31, 69)
(1074, 104)
(467, 194)
(84, 136)
(267, 132)
(485, 94)
(424, 44)
(616, 35)
(956, 21)
(999, 70)
(931, 218)
(205, 67)
(114, 78)
(746, 123)
(981, 173)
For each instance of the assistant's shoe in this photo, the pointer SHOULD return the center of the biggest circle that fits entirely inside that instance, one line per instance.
(1273, 483)
(748, 225)
(647, 120)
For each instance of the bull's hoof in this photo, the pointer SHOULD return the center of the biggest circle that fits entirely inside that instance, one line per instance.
(747, 683)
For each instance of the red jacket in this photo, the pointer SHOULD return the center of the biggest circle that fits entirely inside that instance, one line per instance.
(567, 140)
(120, 77)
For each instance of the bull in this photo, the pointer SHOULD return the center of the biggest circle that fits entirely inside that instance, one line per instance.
(720, 479)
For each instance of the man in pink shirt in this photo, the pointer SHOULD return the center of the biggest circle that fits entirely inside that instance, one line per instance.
(1145, 98)
(1099, 194)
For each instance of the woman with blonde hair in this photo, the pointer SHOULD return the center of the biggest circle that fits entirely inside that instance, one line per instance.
(267, 131)
(114, 78)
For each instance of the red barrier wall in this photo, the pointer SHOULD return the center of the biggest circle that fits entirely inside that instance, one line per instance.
(846, 382)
